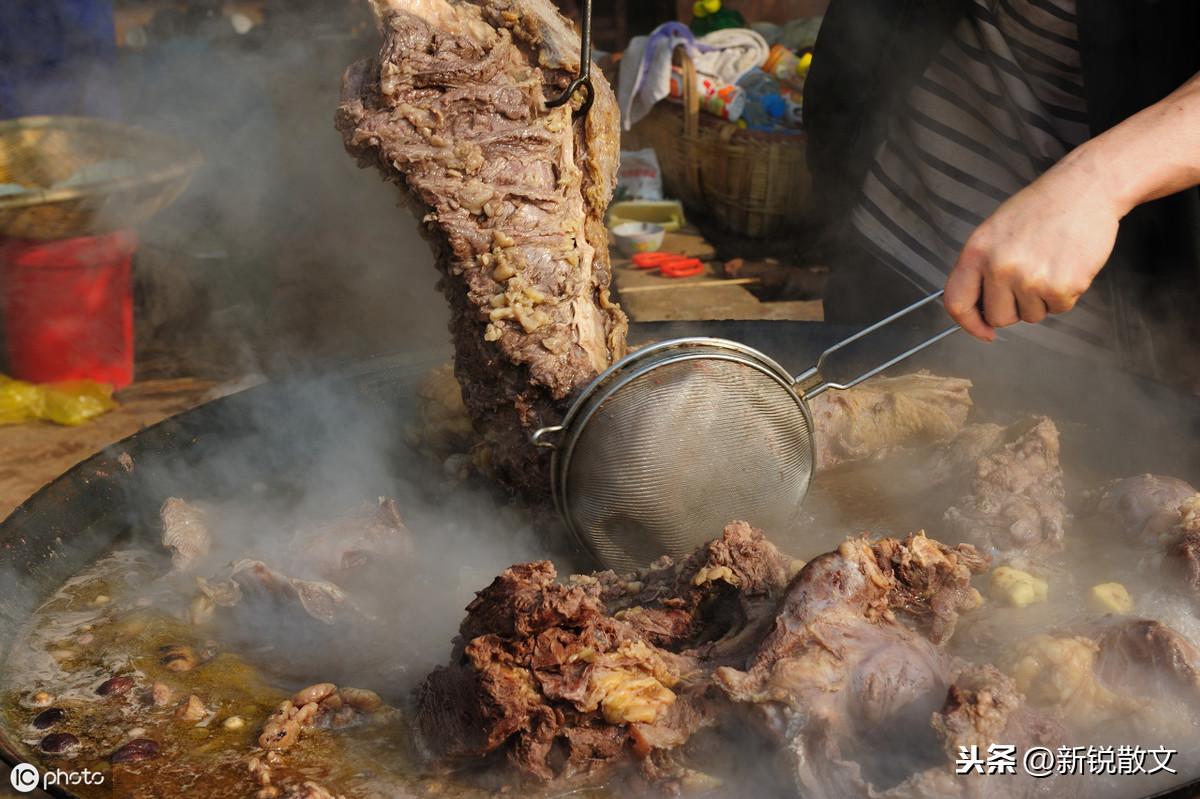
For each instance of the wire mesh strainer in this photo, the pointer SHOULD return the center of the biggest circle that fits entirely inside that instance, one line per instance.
(679, 438)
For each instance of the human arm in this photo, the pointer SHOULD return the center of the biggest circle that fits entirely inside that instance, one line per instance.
(1042, 248)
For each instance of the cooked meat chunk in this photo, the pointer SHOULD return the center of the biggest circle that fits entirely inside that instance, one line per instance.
(572, 680)
(932, 582)
(1126, 677)
(1144, 657)
(886, 413)
(538, 668)
(339, 555)
(319, 599)
(1016, 502)
(959, 455)
(512, 195)
(1059, 673)
(340, 549)
(184, 532)
(320, 706)
(719, 598)
(1144, 507)
(1162, 512)
(839, 676)
(983, 707)
(1183, 545)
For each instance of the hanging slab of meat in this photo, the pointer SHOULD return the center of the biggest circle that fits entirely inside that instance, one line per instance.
(512, 196)
(887, 413)
(571, 681)
(1016, 505)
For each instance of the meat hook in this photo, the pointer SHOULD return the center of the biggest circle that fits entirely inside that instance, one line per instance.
(584, 79)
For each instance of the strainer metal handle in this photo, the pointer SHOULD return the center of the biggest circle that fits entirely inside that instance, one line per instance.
(812, 382)
(540, 437)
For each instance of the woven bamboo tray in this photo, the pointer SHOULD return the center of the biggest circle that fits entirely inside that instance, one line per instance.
(753, 184)
(40, 151)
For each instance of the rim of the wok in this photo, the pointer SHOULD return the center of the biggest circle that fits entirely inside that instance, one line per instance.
(180, 432)
(176, 433)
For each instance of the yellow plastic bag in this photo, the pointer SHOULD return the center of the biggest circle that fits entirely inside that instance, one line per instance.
(70, 403)
(19, 401)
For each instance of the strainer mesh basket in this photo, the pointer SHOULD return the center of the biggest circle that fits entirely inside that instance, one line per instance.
(133, 174)
(669, 458)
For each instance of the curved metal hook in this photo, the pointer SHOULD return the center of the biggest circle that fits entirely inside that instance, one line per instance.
(582, 82)
(584, 79)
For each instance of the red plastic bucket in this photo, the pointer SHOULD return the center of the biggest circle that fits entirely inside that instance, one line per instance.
(68, 308)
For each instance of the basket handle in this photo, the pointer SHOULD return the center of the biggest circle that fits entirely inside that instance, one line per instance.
(691, 122)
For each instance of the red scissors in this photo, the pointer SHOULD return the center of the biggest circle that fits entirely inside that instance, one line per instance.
(672, 265)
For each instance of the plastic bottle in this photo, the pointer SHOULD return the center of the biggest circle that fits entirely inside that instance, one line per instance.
(789, 67)
(723, 100)
(770, 106)
(793, 107)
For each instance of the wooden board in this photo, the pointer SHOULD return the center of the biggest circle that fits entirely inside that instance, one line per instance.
(649, 297)
(700, 303)
(37, 452)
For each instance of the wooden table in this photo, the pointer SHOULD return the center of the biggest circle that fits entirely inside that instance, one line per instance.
(35, 453)
(648, 297)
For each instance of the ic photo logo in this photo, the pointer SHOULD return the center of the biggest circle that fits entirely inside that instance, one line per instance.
(24, 778)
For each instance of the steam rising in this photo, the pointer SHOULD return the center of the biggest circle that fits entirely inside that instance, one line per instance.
(271, 503)
(281, 252)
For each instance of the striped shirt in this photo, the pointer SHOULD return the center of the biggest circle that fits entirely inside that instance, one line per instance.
(1000, 103)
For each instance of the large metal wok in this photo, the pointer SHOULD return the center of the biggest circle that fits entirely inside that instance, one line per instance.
(1116, 423)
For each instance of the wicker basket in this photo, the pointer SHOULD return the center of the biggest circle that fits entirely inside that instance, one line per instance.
(41, 151)
(753, 184)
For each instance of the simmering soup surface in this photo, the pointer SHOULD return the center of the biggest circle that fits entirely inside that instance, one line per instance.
(117, 672)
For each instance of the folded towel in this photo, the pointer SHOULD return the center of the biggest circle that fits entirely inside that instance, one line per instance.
(645, 70)
(735, 51)
(645, 77)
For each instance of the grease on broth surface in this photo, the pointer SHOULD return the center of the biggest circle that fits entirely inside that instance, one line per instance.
(111, 621)
(121, 618)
